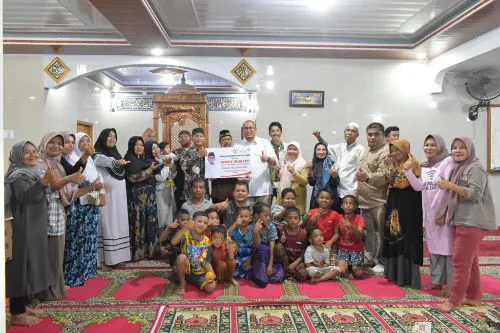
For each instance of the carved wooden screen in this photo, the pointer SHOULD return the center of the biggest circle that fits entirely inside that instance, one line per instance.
(180, 112)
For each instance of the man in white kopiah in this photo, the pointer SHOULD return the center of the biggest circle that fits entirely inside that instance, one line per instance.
(346, 156)
(261, 187)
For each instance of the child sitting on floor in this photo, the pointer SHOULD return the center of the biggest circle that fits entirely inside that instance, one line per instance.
(317, 259)
(244, 243)
(325, 219)
(223, 256)
(288, 197)
(350, 234)
(264, 268)
(193, 265)
(292, 243)
(182, 218)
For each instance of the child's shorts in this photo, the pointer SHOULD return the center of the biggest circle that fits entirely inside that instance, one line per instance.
(199, 280)
(313, 270)
(356, 259)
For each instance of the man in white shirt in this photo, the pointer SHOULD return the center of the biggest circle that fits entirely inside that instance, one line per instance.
(346, 156)
(261, 187)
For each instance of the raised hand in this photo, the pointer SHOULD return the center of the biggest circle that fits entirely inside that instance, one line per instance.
(333, 172)
(89, 149)
(258, 227)
(97, 185)
(408, 164)
(290, 168)
(173, 225)
(77, 177)
(49, 176)
(238, 221)
(316, 133)
(361, 176)
(122, 162)
(264, 158)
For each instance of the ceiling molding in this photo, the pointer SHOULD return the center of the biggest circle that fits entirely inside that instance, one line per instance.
(448, 23)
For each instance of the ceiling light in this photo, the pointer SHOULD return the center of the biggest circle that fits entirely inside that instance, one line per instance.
(270, 70)
(156, 52)
(335, 100)
(377, 118)
(304, 115)
(97, 89)
(32, 97)
(432, 105)
(421, 56)
(319, 5)
(241, 90)
(270, 84)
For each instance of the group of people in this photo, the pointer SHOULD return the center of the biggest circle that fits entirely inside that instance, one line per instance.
(75, 205)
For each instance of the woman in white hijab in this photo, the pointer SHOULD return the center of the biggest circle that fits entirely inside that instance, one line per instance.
(292, 173)
(80, 253)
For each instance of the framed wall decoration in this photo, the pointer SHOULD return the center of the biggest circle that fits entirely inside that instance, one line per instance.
(307, 99)
(57, 69)
(494, 139)
(243, 71)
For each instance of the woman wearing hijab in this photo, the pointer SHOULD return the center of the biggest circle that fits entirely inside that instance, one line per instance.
(292, 173)
(113, 238)
(80, 262)
(469, 209)
(164, 192)
(403, 238)
(141, 194)
(320, 177)
(59, 195)
(439, 237)
(27, 273)
(71, 162)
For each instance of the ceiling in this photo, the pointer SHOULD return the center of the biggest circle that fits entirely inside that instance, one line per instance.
(394, 29)
(140, 79)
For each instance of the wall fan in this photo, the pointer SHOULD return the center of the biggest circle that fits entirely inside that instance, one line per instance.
(483, 86)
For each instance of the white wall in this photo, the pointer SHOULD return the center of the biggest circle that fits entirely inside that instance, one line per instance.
(396, 91)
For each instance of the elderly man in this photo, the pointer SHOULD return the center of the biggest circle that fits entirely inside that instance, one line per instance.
(346, 156)
(373, 180)
(261, 187)
(222, 188)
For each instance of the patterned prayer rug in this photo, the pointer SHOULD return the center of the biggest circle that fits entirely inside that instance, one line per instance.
(137, 298)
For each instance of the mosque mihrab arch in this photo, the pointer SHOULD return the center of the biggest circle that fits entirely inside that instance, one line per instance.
(181, 108)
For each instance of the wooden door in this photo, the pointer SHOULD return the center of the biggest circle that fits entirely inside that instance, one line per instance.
(85, 127)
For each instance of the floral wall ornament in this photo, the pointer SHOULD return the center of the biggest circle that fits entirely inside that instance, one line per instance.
(243, 71)
(57, 69)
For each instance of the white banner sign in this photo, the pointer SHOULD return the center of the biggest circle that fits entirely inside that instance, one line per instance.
(228, 162)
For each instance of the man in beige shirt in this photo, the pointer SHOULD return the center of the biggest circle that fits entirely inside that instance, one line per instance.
(373, 180)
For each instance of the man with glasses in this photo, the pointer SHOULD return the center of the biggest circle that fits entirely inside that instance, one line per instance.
(373, 180)
(261, 187)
